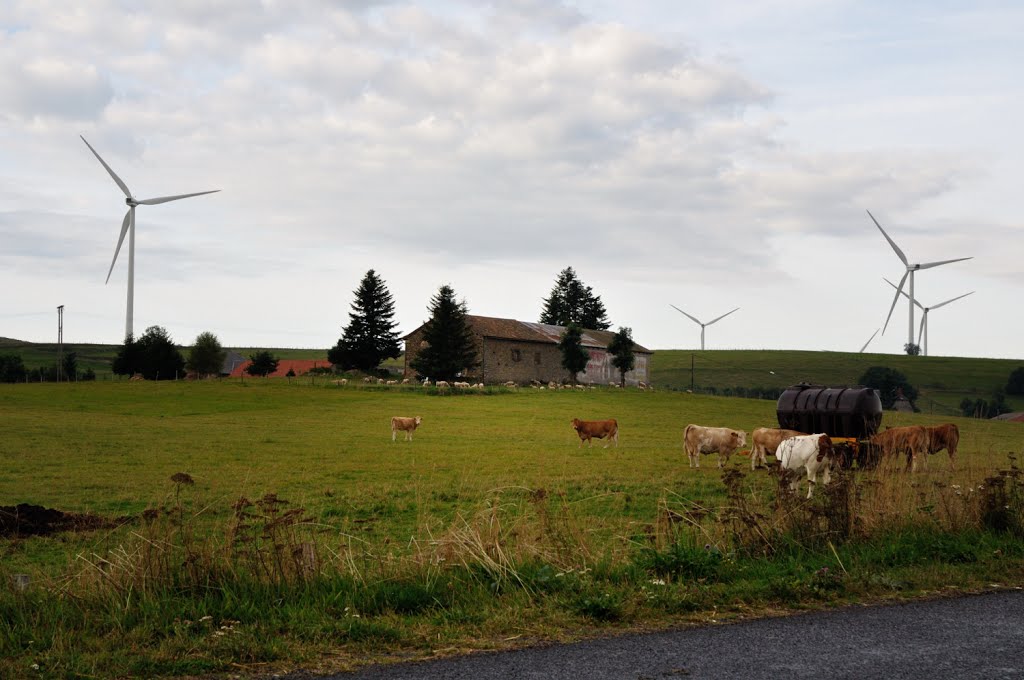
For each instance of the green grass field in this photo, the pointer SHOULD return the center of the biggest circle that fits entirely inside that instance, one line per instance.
(492, 525)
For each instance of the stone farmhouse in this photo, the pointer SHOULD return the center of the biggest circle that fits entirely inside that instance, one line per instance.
(523, 351)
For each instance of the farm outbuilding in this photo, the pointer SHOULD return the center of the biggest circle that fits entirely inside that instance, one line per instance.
(298, 366)
(522, 351)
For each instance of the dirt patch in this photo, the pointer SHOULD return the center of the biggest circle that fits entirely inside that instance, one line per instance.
(35, 520)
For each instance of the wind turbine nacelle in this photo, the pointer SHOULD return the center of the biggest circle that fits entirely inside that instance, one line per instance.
(131, 202)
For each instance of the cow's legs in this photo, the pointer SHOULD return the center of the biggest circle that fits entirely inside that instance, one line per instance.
(812, 481)
(393, 434)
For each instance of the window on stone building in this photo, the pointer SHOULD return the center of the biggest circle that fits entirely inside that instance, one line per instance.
(536, 358)
(516, 355)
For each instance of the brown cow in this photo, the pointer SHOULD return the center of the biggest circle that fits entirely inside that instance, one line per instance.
(944, 437)
(721, 440)
(596, 429)
(765, 440)
(407, 425)
(911, 440)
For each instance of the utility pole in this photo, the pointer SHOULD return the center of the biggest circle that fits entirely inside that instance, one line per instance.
(60, 340)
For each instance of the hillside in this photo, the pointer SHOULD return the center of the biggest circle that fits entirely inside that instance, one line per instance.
(942, 381)
(99, 357)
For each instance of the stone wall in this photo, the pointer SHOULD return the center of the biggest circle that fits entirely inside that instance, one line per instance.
(522, 361)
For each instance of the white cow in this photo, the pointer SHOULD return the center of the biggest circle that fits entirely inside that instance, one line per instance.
(811, 452)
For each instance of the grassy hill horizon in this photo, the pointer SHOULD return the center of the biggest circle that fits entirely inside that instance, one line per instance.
(942, 381)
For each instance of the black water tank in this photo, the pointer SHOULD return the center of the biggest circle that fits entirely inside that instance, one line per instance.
(838, 411)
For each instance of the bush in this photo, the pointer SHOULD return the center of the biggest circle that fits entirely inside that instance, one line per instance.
(683, 560)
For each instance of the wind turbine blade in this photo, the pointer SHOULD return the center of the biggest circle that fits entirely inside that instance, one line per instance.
(903, 293)
(124, 230)
(891, 242)
(113, 174)
(692, 318)
(929, 265)
(721, 317)
(942, 304)
(165, 199)
(920, 329)
(869, 340)
(899, 289)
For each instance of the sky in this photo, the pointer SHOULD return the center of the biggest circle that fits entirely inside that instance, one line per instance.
(702, 154)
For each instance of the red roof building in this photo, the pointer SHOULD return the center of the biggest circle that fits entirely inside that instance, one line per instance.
(298, 366)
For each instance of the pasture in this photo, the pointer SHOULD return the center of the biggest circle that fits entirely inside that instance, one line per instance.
(499, 525)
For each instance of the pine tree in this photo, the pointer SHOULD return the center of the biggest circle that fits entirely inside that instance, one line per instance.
(449, 348)
(574, 357)
(573, 302)
(621, 349)
(128, 360)
(370, 337)
(263, 363)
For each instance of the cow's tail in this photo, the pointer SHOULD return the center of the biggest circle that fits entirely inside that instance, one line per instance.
(686, 440)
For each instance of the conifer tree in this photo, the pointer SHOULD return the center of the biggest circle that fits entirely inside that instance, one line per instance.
(370, 336)
(128, 360)
(574, 357)
(573, 302)
(621, 349)
(449, 348)
(263, 363)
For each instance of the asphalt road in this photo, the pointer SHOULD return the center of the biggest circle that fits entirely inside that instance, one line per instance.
(978, 636)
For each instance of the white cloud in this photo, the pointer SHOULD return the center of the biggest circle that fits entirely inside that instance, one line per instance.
(448, 140)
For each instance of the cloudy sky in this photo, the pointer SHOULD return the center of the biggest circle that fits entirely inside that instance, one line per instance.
(697, 153)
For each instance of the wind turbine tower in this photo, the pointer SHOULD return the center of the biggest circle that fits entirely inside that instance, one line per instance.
(911, 268)
(698, 321)
(128, 227)
(923, 330)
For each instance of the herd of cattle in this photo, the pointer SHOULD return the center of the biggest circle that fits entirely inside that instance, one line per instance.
(797, 451)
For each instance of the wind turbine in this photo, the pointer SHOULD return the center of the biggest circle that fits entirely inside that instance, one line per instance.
(702, 325)
(911, 268)
(869, 341)
(128, 227)
(923, 330)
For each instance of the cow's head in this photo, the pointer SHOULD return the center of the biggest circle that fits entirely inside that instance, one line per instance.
(825, 448)
(419, 419)
(576, 422)
(739, 438)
